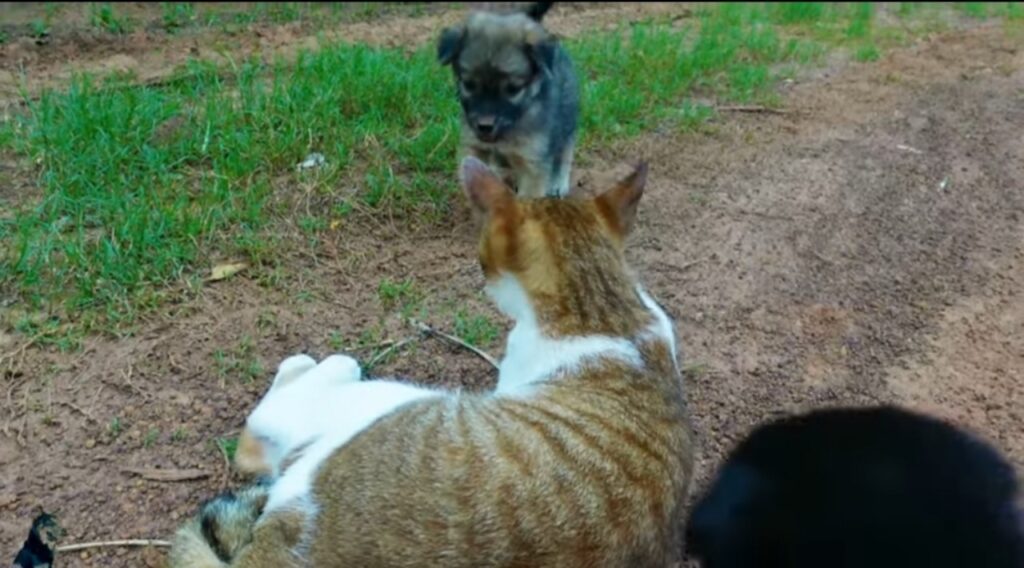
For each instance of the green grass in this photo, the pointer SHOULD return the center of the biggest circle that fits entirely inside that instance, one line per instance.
(867, 53)
(402, 295)
(228, 447)
(177, 15)
(180, 434)
(476, 330)
(143, 188)
(102, 16)
(151, 437)
(115, 427)
(239, 362)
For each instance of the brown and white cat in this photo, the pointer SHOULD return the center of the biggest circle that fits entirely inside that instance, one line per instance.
(581, 457)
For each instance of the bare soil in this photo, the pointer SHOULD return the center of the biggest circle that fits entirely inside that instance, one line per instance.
(865, 247)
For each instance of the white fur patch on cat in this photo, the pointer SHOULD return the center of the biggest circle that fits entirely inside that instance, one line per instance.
(662, 328)
(532, 357)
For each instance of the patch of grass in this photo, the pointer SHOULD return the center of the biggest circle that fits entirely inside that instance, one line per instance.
(177, 15)
(241, 361)
(1015, 11)
(978, 10)
(798, 12)
(151, 437)
(228, 447)
(403, 295)
(476, 330)
(335, 341)
(635, 74)
(40, 28)
(102, 16)
(867, 52)
(861, 23)
(179, 435)
(115, 427)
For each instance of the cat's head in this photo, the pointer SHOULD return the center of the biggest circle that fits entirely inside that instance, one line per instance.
(541, 250)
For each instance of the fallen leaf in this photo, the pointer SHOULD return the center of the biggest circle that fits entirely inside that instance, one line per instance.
(222, 271)
(171, 475)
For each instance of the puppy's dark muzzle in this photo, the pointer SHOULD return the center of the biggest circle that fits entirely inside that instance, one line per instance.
(486, 129)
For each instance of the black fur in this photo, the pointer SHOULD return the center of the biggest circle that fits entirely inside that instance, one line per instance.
(846, 488)
(450, 44)
(537, 10)
(36, 553)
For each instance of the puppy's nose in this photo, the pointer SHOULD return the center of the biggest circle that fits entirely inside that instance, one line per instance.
(485, 124)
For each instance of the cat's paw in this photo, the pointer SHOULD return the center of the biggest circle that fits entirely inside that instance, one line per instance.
(292, 368)
(340, 368)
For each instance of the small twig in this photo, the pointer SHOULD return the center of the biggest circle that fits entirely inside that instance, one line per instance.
(20, 351)
(751, 108)
(378, 345)
(78, 409)
(455, 340)
(113, 543)
(167, 475)
(680, 267)
(910, 149)
(395, 346)
(822, 257)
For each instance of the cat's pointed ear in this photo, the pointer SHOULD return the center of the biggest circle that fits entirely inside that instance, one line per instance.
(486, 192)
(620, 202)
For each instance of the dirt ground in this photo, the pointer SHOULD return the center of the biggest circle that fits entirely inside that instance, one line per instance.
(865, 247)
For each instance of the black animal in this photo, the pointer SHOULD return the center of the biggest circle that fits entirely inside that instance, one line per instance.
(860, 488)
(40, 547)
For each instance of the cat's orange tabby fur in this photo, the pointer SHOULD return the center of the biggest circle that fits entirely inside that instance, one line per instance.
(581, 457)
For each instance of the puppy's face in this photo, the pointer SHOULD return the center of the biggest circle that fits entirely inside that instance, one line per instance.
(500, 63)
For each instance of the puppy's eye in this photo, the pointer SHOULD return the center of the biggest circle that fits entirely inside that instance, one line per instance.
(470, 85)
(512, 90)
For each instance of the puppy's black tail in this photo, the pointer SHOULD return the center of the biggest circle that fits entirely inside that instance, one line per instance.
(537, 10)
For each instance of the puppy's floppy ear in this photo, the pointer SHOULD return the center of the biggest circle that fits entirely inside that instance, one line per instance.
(486, 192)
(537, 10)
(543, 55)
(450, 44)
(619, 203)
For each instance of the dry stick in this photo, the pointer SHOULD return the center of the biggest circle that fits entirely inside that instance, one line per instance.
(395, 346)
(113, 543)
(751, 108)
(79, 410)
(21, 350)
(455, 340)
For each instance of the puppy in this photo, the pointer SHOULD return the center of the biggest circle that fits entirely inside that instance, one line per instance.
(873, 487)
(519, 96)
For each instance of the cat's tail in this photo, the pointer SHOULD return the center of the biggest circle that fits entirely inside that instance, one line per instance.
(218, 533)
(190, 548)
